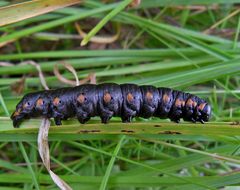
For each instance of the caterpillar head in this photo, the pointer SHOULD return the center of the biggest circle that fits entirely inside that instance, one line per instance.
(205, 112)
(25, 108)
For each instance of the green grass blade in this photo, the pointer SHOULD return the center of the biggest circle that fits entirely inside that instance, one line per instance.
(109, 16)
(34, 178)
(51, 24)
(111, 163)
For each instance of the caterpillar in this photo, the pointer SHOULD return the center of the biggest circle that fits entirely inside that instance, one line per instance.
(109, 99)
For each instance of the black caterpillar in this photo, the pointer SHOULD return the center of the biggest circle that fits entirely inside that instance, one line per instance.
(108, 100)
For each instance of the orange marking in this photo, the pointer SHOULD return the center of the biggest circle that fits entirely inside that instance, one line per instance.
(130, 97)
(178, 103)
(201, 106)
(194, 104)
(149, 96)
(191, 103)
(56, 101)
(39, 102)
(16, 113)
(166, 98)
(107, 97)
(81, 98)
(25, 105)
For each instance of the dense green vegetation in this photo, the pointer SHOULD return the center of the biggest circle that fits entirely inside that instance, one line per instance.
(186, 45)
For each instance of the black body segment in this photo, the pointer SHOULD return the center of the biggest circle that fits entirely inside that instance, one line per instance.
(84, 102)
(177, 109)
(109, 99)
(132, 100)
(150, 101)
(60, 104)
(166, 101)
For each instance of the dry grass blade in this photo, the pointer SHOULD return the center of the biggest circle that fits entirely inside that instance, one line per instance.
(43, 149)
(135, 3)
(63, 79)
(37, 66)
(43, 143)
(91, 77)
(40, 73)
(6, 64)
(99, 39)
(21, 11)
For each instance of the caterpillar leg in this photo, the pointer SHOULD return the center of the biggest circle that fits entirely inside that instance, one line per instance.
(106, 116)
(126, 119)
(83, 120)
(83, 117)
(105, 119)
(176, 115)
(176, 119)
(57, 121)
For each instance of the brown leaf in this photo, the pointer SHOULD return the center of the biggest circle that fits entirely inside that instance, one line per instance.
(22, 11)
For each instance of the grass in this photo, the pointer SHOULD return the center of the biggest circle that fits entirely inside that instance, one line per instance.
(161, 44)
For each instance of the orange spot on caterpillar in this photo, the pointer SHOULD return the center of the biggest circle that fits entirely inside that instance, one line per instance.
(39, 102)
(130, 97)
(201, 106)
(81, 98)
(194, 104)
(149, 96)
(56, 101)
(16, 113)
(26, 105)
(166, 98)
(107, 97)
(179, 103)
(191, 103)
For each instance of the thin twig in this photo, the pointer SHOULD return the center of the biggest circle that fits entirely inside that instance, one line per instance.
(91, 77)
(40, 73)
(99, 39)
(33, 63)
(221, 21)
(63, 79)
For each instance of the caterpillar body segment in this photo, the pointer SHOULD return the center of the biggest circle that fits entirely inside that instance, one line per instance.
(108, 100)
